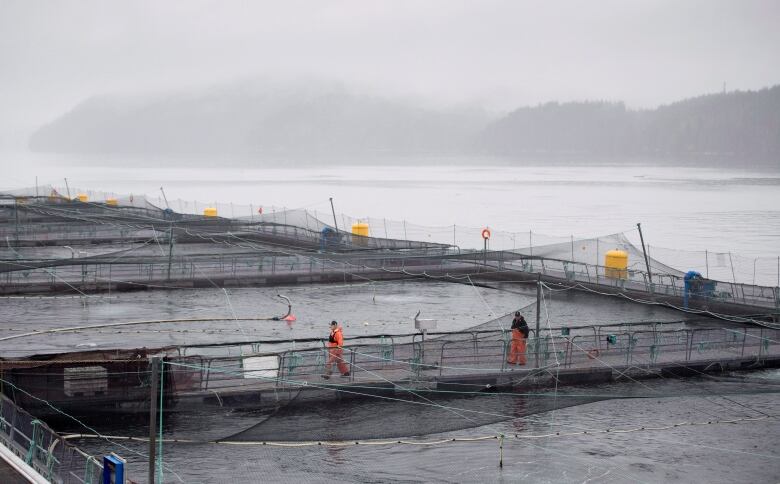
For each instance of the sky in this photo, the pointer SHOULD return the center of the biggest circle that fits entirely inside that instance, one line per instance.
(494, 54)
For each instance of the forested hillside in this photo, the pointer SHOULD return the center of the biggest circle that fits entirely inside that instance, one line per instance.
(333, 120)
(744, 124)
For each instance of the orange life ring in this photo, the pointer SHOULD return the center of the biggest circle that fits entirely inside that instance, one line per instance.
(485, 233)
(593, 354)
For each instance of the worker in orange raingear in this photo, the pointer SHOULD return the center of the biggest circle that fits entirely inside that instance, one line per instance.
(335, 351)
(517, 347)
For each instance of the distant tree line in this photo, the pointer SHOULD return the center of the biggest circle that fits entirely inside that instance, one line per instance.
(743, 124)
(312, 119)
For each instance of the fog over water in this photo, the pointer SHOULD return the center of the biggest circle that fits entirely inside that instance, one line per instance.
(495, 56)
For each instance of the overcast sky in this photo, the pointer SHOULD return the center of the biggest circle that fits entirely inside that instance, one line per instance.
(498, 54)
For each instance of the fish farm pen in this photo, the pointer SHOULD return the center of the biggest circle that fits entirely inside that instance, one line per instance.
(241, 375)
(55, 245)
(131, 248)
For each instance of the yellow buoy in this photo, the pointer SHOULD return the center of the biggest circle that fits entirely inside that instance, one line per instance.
(112, 202)
(82, 197)
(209, 212)
(616, 264)
(360, 228)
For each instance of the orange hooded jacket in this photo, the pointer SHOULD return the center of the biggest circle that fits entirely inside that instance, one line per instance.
(336, 339)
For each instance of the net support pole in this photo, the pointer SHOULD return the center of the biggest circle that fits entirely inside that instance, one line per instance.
(647, 260)
(16, 219)
(165, 198)
(572, 248)
(733, 275)
(754, 270)
(501, 451)
(170, 250)
(538, 310)
(155, 362)
(335, 223)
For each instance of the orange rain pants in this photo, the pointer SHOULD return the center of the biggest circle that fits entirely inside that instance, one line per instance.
(517, 348)
(336, 355)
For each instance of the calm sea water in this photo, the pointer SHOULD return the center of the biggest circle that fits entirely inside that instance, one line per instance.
(694, 209)
(683, 208)
(732, 213)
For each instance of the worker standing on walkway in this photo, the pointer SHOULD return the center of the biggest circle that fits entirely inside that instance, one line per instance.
(517, 347)
(335, 351)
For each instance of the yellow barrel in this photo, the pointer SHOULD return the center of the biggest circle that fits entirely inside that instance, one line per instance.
(209, 212)
(82, 197)
(616, 264)
(360, 228)
(113, 202)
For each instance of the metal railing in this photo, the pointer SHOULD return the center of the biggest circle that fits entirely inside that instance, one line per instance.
(409, 359)
(663, 284)
(43, 449)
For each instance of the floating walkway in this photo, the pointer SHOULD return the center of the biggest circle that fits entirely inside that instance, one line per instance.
(241, 376)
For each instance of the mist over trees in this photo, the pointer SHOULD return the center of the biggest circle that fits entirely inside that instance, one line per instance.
(258, 118)
(326, 119)
(738, 124)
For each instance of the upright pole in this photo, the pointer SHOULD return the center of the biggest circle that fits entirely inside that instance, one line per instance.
(335, 224)
(733, 276)
(165, 198)
(754, 270)
(36, 187)
(153, 418)
(501, 451)
(572, 248)
(16, 218)
(707, 264)
(170, 250)
(647, 260)
(597, 260)
(67, 188)
(538, 314)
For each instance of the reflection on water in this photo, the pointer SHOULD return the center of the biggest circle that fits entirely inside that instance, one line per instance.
(387, 308)
(676, 454)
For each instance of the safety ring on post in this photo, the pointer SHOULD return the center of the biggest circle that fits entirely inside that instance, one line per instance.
(593, 354)
(486, 233)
